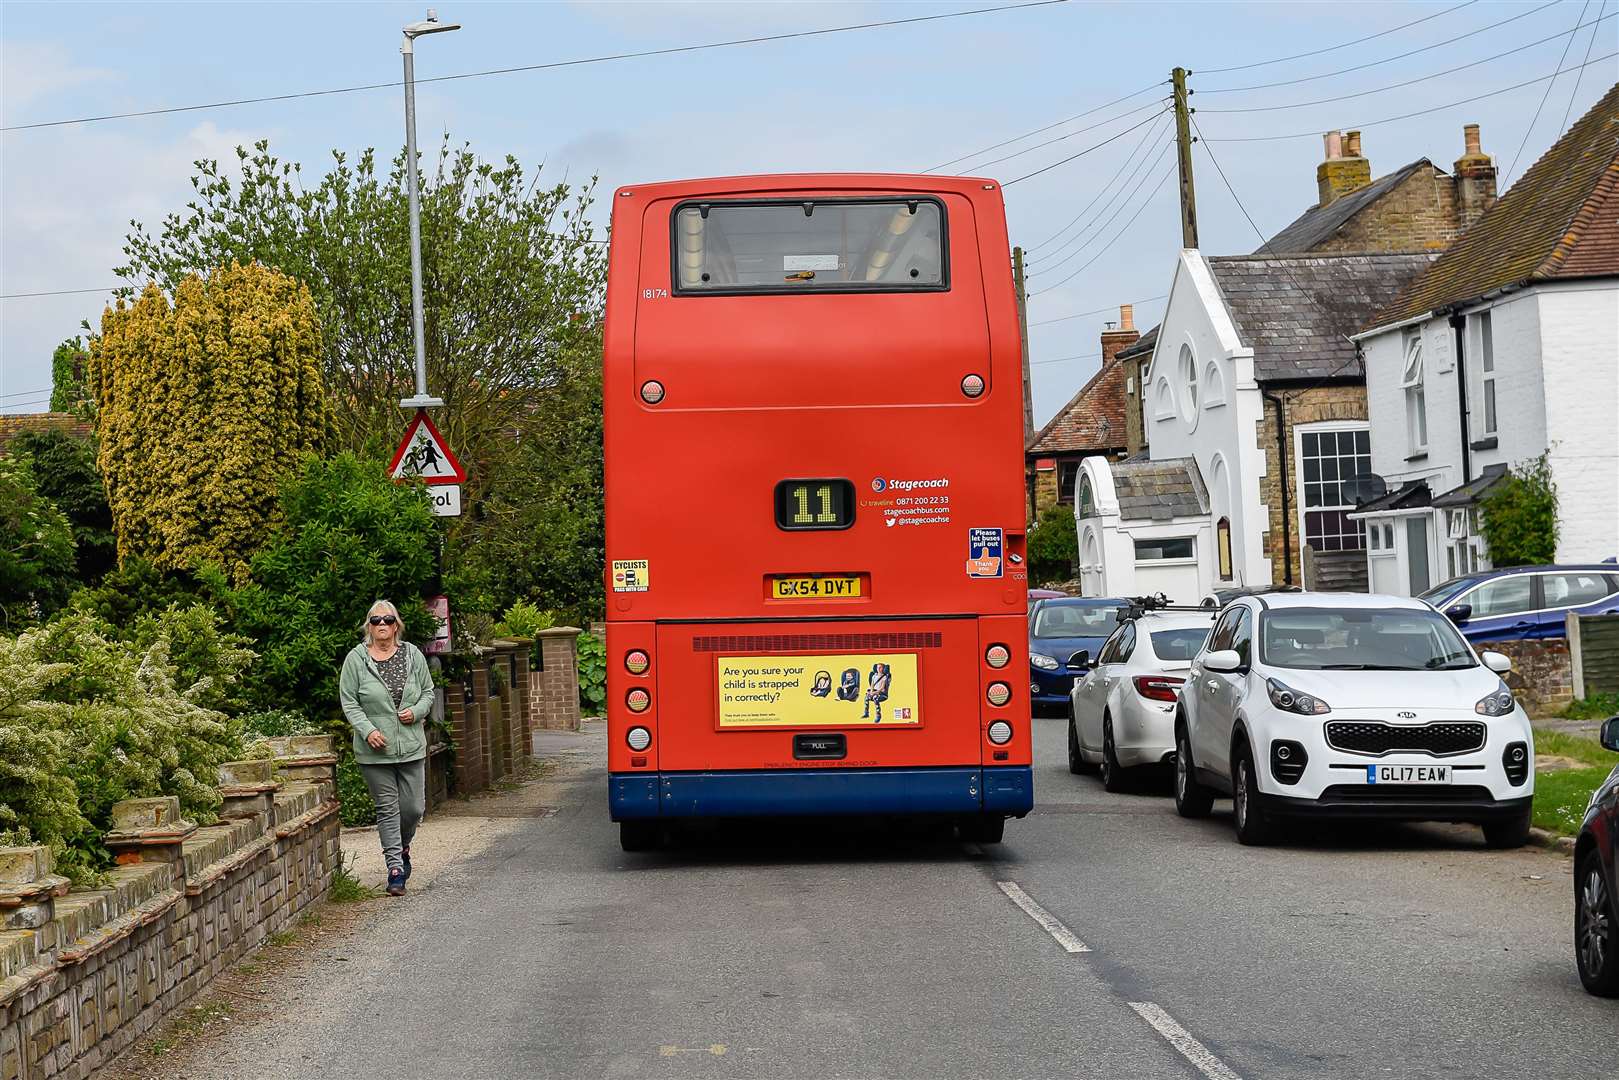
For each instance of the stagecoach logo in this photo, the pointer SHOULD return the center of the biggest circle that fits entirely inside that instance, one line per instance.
(879, 484)
(883, 484)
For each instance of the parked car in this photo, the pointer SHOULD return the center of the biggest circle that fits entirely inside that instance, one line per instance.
(1526, 601)
(1121, 715)
(1064, 634)
(1348, 705)
(1045, 594)
(1596, 883)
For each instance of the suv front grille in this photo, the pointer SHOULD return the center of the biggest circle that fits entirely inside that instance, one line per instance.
(1439, 740)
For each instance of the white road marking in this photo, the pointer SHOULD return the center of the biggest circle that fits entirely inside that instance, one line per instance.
(1048, 922)
(1182, 1040)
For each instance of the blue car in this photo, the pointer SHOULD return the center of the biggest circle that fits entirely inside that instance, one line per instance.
(1526, 601)
(1060, 629)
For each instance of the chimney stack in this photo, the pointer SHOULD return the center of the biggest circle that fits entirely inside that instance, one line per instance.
(1344, 169)
(1115, 341)
(1474, 174)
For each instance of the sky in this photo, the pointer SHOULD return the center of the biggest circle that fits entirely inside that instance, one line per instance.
(895, 99)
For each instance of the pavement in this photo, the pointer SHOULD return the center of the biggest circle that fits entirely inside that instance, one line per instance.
(1105, 938)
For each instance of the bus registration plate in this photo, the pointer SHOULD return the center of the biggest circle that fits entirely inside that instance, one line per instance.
(816, 587)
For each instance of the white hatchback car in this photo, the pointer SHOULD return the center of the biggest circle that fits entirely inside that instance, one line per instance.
(1122, 713)
(1341, 704)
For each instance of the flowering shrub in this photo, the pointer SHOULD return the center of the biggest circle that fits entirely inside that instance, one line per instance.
(87, 720)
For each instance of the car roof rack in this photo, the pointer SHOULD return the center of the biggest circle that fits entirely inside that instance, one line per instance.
(1137, 606)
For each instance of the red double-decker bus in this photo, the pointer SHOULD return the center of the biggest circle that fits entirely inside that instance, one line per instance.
(815, 570)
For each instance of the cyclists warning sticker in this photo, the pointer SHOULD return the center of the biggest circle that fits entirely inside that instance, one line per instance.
(984, 553)
(424, 455)
(631, 575)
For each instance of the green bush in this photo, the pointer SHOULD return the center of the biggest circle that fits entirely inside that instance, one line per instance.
(127, 592)
(37, 564)
(1520, 516)
(278, 724)
(350, 536)
(525, 620)
(1053, 546)
(65, 473)
(592, 664)
(85, 713)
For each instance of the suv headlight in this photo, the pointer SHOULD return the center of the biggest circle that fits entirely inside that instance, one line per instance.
(1498, 702)
(1287, 699)
(1044, 662)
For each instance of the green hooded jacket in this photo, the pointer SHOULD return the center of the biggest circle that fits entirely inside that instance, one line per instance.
(368, 706)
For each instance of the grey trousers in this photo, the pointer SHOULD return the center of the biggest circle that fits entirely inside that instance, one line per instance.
(400, 792)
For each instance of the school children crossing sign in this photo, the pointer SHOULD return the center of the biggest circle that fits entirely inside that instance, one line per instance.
(424, 455)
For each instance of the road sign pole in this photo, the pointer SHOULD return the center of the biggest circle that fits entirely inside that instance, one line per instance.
(422, 400)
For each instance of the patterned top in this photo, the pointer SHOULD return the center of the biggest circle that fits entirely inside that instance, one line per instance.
(394, 672)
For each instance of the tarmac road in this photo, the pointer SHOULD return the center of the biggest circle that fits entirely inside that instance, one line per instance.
(1145, 946)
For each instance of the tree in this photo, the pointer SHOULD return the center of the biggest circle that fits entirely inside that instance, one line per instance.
(1053, 545)
(1520, 516)
(513, 285)
(202, 409)
(67, 375)
(36, 548)
(65, 472)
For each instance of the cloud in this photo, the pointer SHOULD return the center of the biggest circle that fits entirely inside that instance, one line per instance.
(40, 69)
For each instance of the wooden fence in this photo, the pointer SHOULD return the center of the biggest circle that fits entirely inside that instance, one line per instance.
(1593, 647)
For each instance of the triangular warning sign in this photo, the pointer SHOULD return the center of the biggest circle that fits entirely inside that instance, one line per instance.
(424, 455)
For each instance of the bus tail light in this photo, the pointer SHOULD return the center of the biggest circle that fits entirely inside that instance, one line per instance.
(638, 738)
(998, 694)
(997, 656)
(1000, 732)
(636, 662)
(1158, 687)
(972, 385)
(652, 391)
(637, 700)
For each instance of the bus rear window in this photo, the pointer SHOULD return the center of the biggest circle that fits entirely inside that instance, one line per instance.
(811, 245)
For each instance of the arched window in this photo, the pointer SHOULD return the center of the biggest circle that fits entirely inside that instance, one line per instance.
(1087, 498)
(1164, 401)
(1222, 544)
(1213, 386)
(1188, 377)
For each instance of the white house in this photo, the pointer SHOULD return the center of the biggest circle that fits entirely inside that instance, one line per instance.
(1506, 348)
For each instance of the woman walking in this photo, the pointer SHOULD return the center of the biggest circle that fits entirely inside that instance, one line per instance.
(386, 692)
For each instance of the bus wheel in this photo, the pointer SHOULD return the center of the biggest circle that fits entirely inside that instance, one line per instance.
(987, 829)
(639, 835)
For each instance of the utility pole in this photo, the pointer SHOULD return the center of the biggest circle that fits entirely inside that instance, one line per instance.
(1183, 149)
(1023, 336)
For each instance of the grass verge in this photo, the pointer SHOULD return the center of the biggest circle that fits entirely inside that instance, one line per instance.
(1595, 707)
(1562, 796)
(346, 888)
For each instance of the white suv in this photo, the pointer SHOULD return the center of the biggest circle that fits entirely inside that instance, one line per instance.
(1348, 705)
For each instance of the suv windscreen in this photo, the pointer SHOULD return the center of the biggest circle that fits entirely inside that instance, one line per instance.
(1357, 639)
(810, 245)
(1181, 644)
(1075, 620)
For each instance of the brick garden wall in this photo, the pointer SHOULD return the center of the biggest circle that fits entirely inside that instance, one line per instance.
(89, 971)
(1307, 406)
(1542, 675)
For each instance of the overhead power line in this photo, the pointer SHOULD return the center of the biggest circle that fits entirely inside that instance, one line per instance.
(1048, 127)
(1422, 78)
(1146, 138)
(1419, 112)
(27, 393)
(1343, 45)
(1592, 40)
(672, 51)
(1082, 153)
(1106, 247)
(1376, 63)
(1098, 311)
(58, 292)
(1145, 176)
(1077, 131)
(1506, 176)
(1066, 359)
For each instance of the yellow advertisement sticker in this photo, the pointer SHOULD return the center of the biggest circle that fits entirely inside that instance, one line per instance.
(841, 690)
(631, 575)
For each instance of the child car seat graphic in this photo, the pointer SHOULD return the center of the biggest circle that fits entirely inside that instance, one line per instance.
(849, 685)
(823, 684)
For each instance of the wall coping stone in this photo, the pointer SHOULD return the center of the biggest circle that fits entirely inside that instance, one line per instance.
(137, 815)
(560, 631)
(21, 865)
(244, 777)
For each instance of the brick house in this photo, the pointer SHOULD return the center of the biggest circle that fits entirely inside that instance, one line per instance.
(1506, 348)
(1092, 423)
(1252, 378)
(15, 424)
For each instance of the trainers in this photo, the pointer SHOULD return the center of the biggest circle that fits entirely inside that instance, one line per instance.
(396, 883)
(406, 853)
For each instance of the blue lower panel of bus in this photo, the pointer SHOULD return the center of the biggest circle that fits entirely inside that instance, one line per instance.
(743, 793)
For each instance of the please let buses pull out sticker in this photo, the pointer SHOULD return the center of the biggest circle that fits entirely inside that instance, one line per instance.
(631, 575)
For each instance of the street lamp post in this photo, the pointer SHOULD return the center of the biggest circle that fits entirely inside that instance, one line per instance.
(430, 25)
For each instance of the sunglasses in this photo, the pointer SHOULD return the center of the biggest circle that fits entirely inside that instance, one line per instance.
(382, 620)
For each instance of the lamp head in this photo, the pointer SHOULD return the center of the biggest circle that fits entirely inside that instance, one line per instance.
(430, 25)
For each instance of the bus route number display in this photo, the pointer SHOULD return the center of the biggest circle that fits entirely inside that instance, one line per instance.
(814, 504)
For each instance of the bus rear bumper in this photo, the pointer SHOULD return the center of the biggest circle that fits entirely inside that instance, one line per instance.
(1007, 790)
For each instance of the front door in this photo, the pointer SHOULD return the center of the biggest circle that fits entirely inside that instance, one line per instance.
(1416, 555)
